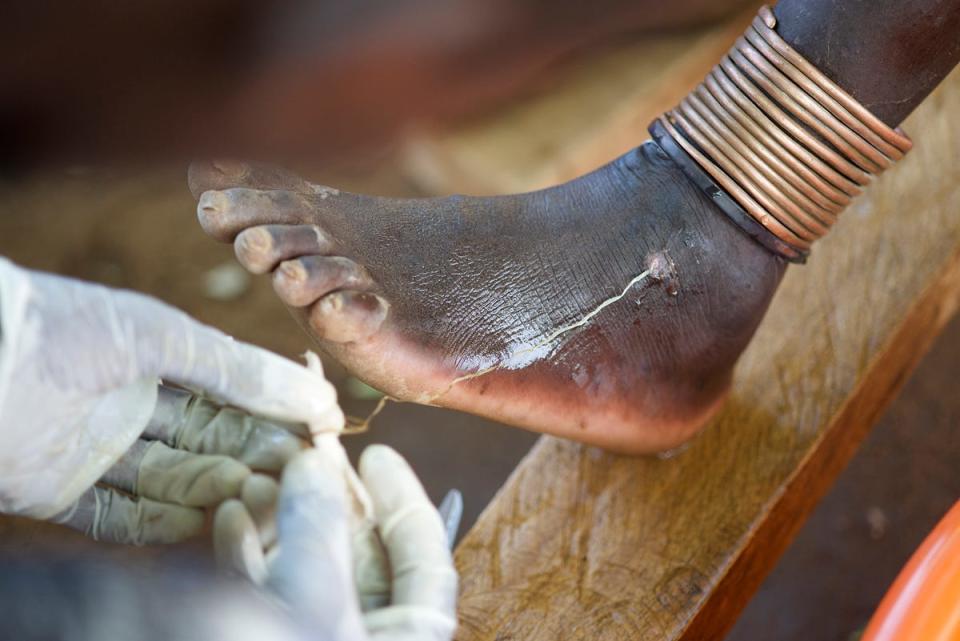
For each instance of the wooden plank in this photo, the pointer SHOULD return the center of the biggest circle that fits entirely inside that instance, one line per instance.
(597, 109)
(581, 544)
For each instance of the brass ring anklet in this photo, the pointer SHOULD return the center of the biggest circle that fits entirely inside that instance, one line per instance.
(787, 144)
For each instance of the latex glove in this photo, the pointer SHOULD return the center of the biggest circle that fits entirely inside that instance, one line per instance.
(193, 453)
(79, 371)
(314, 567)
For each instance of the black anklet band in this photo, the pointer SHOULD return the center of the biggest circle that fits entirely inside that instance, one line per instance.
(721, 199)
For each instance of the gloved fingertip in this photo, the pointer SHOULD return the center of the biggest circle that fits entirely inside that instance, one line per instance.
(314, 364)
(236, 544)
(232, 477)
(291, 392)
(451, 512)
(227, 520)
(259, 489)
(259, 495)
(377, 456)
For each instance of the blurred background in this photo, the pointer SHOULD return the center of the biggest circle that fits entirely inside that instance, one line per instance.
(103, 104)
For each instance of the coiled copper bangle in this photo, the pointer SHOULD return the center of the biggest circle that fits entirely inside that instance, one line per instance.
(788, 144)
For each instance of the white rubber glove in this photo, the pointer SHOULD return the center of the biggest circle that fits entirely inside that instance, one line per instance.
(314, 567)
(79, 371)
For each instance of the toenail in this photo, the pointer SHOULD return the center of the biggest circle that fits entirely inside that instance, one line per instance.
(332, 303)
(212, 202)
(294, 270)
(255, 241)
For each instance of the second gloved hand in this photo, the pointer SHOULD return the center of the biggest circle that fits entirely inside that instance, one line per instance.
(314, 566)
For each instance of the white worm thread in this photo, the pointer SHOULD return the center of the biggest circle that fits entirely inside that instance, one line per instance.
(554, 335)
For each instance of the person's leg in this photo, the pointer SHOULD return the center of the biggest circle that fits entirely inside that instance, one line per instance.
(610, 309)
(888, 54)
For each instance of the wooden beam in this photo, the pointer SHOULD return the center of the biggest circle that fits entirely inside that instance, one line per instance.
(581, 544)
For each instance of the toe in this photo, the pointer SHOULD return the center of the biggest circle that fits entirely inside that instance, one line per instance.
(303, 281)
(348, 316)
(224, 214)
(223, 174)
(261, 249)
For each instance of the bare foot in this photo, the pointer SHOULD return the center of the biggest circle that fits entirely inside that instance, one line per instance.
(610, 309)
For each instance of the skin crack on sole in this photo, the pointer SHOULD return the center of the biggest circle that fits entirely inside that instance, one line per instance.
(357, 426)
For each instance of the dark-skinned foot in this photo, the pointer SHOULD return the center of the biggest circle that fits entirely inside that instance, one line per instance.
(610, 309)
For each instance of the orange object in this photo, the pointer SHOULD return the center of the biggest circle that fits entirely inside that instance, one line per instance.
(924, 602)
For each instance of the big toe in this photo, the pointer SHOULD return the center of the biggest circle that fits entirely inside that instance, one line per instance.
(225, 213)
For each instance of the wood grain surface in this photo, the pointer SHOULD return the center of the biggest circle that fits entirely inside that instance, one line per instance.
(581, 544)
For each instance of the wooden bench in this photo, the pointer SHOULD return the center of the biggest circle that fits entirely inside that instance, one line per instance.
(581, 544)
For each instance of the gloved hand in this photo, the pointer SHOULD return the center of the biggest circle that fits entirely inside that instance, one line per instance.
(80, 366)
(316, 568)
